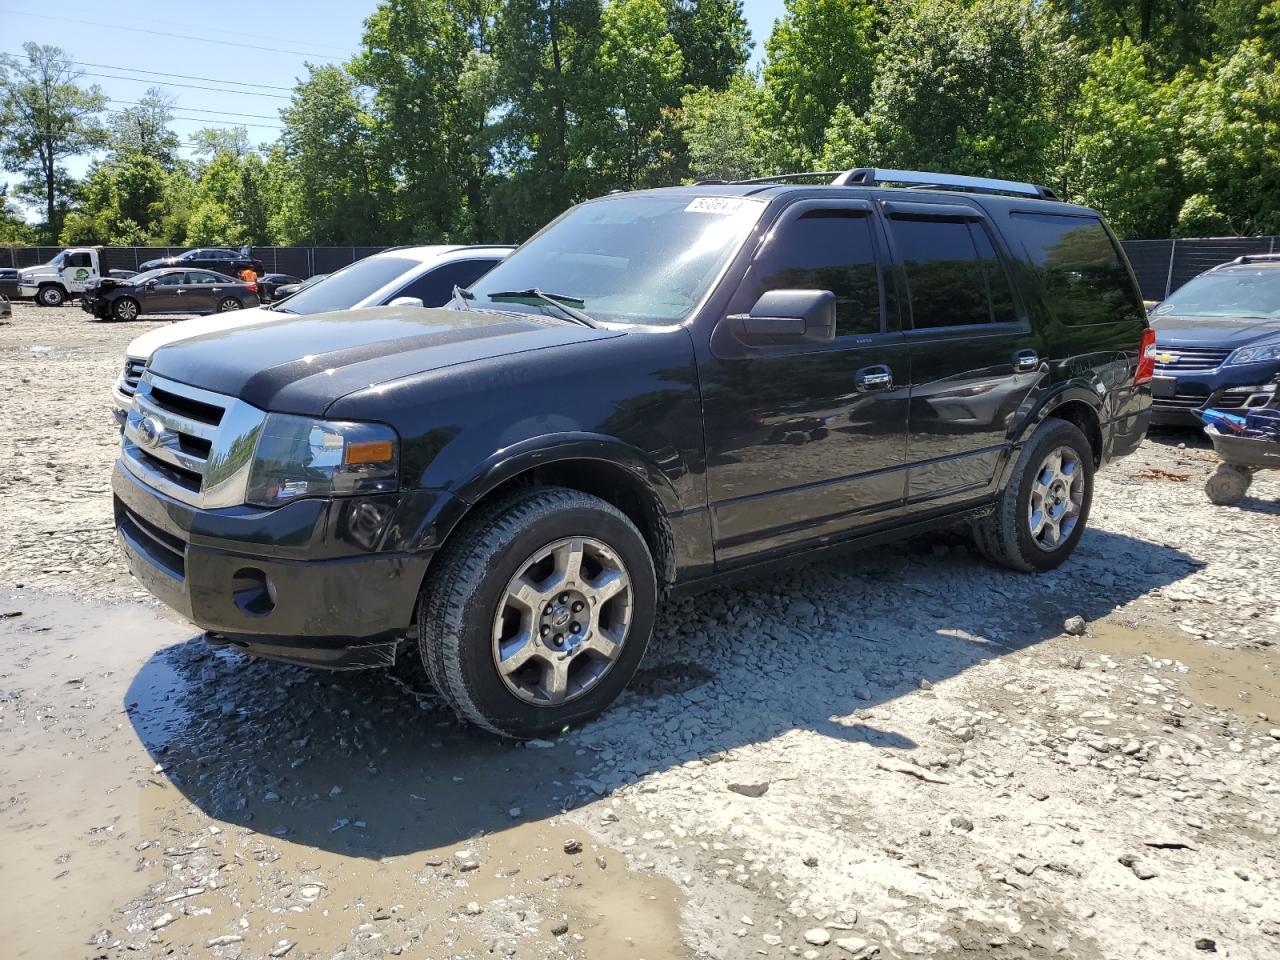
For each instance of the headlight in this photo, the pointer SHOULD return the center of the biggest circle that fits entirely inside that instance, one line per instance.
(1269, 351)
(300, 457)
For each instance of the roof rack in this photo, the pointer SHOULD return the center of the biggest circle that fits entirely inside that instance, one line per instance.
(873, 176)
(1251, 258)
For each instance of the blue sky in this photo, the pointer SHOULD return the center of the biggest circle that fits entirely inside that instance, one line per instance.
(109, 35)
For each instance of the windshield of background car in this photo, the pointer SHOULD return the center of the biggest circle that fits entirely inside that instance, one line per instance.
(1229, 294)
(629, 259)
(344, 289)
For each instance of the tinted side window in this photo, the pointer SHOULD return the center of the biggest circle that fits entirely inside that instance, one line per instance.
(203, 278)
(78, 260)
(1078, 269)
(435, 287)
(826, 250)
(947, 280)
(171, 279)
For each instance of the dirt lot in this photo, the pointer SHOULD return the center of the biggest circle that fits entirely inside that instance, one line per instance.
(898, 754)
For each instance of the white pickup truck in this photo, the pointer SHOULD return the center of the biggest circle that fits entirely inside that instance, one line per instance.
(64, 277)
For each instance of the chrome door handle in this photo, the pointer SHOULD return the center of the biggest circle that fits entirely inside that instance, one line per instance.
(1025, 361)
(873, 379)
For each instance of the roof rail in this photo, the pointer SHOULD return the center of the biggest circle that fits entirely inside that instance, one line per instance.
(1252, 258)
(787, 177)
(873, 176)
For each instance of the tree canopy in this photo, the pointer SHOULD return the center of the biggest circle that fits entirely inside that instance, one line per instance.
(481, 120)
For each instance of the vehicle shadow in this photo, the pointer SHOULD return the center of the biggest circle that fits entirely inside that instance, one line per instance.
(367, 765)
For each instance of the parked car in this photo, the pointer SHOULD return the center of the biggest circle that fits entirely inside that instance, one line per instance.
(510, 485)
(8, 282)
(269, 285)
(413, 275)
(120, 274)
(1218, 341)
(6, 308)
(289, 289)
(218, 259)
(168, 291)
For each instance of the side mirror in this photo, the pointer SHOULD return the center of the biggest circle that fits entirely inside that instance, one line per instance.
(149, 285)
(783, 317)
(406, 302)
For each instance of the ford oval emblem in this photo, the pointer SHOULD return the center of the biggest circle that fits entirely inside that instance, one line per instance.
(151, 432)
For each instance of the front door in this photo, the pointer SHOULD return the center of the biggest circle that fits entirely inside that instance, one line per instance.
(808, 442)
(974, 359)
(161, 295)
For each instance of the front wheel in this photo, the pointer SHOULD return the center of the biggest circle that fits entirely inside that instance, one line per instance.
(125, 309)
(537, 611)
(1041, 514)
(229, 303)
(51, 296)
(1228, 485)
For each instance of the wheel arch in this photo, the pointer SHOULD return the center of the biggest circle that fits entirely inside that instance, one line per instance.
(601, 466)
(1077, 405)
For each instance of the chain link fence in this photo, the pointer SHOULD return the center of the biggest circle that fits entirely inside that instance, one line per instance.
(1162, 266)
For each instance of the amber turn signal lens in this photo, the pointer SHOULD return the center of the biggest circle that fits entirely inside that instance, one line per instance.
(369, 451)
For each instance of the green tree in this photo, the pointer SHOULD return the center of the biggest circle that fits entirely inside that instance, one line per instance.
(230, 206)
(1124, 158)
(121, 201)
(143, 128)
(724, 133)
(713, 38)
(324, 173)
(420, 58)
(13, 229)
(636, 81)
(47, 117)
(820, 57)
(1229, 133)
(957, 88)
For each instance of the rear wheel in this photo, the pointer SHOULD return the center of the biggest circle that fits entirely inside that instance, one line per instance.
(1228, 485)
(537, 611)
(126, 309)
(1041, 514)
(229, 303)
(51, 296)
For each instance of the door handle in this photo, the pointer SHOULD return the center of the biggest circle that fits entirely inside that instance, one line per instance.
(873, 379)
(1025, 361)
(179, 290)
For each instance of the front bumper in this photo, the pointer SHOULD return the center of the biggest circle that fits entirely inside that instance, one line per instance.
(1176, 398)
(268, 580)
(27, 289)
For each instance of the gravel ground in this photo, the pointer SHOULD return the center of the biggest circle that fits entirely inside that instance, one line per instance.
(903, 753)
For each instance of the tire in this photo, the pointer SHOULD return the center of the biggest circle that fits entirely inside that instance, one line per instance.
(51, 295)
(1010, 535)
(229, 303)
(1228, 485)
(468, 608)
(125, 309)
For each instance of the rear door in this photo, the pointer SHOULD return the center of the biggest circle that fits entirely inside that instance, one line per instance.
(808, 442)
(974, 358)
(202, 291)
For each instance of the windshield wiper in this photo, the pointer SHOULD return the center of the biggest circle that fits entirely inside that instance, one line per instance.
(559, 301)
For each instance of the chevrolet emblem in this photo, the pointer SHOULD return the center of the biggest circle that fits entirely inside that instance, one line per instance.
(1166, 358)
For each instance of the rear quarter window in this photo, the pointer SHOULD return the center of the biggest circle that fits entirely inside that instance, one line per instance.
(1080, 273)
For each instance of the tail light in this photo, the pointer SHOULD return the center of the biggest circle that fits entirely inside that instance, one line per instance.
(253, 288)
(1146, 358)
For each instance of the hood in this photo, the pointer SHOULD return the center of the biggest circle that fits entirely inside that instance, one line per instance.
(144, 346)
(1224, 332)
(303, 364)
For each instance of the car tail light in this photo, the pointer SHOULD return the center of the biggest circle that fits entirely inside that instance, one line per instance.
(253, 288)
(1146, 358)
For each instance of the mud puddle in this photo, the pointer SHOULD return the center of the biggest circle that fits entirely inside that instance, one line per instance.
(158, 796)
(1240, 679)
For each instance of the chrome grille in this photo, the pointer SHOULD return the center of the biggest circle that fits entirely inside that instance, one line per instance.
(1188, 359)
(132, 373)
(188, 443)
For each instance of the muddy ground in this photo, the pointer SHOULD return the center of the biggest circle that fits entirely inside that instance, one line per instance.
(896, 754)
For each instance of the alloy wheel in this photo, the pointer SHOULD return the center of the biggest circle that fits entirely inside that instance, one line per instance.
(1057, 498)
(562, 621)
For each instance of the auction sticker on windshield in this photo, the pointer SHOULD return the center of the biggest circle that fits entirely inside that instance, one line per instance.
(724, 205)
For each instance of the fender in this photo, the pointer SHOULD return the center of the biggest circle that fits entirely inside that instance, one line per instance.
(1040, 406)
(541, 451)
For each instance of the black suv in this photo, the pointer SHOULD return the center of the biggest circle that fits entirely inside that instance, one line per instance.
(658, 390)
(218, 259)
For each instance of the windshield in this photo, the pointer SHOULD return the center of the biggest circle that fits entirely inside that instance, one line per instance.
(627, 259)
(1229, 294)
(57, 261)
(149, 275)
(344, 289)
